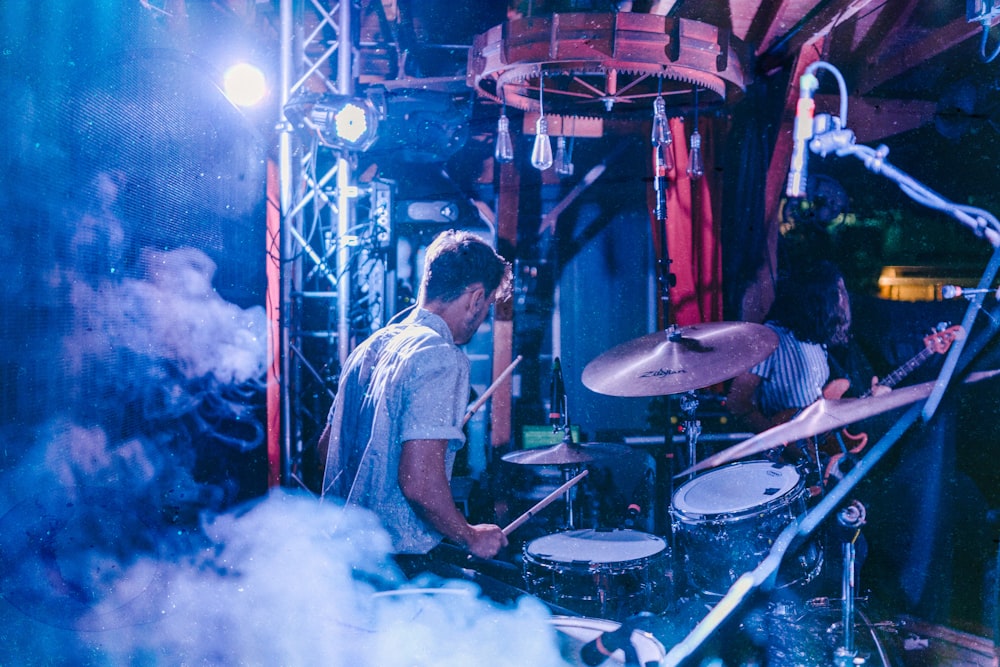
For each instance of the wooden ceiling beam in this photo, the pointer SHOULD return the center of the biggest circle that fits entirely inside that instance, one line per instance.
(890, 21)
(765, 16)
(814, 26)
(873, 120)
(907, 57)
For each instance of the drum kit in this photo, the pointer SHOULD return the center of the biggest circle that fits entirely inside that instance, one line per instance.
(722, 521)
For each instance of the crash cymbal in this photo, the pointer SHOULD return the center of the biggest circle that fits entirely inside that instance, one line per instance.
(824, 416)
(567, 454)
(680, 359)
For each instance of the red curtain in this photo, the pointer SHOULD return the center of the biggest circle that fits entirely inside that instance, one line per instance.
(693, 232)
(272, 245)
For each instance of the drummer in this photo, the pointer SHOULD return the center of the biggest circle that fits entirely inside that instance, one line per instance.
(396, 423)
(811, 314)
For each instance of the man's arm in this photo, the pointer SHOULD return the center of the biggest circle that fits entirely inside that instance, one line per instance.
(424, 483)
(741, 402)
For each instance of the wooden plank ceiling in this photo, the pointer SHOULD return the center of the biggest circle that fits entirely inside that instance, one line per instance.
(899, 57)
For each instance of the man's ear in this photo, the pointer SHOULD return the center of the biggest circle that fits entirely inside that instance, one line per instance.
(476, 297)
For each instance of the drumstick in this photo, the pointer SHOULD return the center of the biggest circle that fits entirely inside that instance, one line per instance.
(489, 391)
(516, 523)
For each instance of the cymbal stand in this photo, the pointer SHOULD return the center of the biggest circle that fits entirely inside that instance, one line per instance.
(569, 472)
(850, 519)
(560, 420)
(692, 426)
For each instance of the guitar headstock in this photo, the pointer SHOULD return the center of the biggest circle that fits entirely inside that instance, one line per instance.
(943, 337)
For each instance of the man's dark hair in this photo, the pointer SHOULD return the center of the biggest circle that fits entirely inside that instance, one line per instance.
(807, 301)
(457, 259)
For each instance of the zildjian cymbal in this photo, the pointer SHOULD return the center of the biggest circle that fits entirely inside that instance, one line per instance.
(680, 359)
(824, 416)
(567, 454)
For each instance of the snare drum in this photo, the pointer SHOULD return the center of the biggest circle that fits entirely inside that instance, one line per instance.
(610, 574)
(726, 520)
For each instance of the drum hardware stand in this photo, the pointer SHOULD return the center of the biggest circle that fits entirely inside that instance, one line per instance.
(559, 416)
(692, 426)
(850, 519)
(569, 473)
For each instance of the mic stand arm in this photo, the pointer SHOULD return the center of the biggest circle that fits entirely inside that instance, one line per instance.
(829, 137)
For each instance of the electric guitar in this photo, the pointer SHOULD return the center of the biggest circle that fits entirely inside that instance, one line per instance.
(844, 443)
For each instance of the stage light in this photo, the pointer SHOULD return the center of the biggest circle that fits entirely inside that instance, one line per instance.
(244, 85)
(345, 122)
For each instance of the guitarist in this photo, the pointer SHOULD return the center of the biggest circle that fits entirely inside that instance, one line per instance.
(811, 314)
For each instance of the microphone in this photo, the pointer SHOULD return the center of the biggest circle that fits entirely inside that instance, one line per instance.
(601, 647)
(640, 499)
(631, 514)
(954, 291)
(556, 409)
(798, 172)
(659, 183)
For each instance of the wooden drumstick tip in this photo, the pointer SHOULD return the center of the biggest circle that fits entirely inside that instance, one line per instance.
(492, 388)
(543, 503)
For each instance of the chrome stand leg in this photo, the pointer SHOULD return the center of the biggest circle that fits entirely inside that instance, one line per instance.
(851, 519)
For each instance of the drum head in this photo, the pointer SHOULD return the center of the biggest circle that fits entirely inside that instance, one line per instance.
(736, 488)
(578, 546)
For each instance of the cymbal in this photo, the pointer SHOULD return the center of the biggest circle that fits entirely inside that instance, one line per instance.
(567, 454)
(680, 359)
(824, 416)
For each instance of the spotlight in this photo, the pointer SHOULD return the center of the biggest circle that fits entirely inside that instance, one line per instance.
(244, 85)
(345, 122)
(338, 121)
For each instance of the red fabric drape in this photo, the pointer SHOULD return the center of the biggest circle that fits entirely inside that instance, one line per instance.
(274, 379)
(693, 233)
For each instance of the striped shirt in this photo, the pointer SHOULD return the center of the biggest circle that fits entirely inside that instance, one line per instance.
(793, 375)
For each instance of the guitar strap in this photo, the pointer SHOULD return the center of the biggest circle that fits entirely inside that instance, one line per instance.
(849, 361)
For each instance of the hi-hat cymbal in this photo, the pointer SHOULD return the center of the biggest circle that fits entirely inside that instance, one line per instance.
(567, 454)
(680, 359)
(824, 416)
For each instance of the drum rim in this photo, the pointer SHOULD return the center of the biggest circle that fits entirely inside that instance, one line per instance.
(651, 539)
(791, 495)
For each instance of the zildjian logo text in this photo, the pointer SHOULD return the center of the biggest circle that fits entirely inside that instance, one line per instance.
(660, 372)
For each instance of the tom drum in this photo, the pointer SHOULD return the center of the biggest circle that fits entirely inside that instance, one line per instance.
(609, 574)
(726, 520)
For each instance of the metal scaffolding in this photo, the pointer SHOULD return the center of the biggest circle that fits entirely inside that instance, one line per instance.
(350, 238)
(321, 249)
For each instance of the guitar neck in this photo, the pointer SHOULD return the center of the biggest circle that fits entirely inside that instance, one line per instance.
(895, 377)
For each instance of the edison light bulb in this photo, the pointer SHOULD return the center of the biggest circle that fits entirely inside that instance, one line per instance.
(563, 161)
(661, 136)
(504, 150)
(661, 129)
(541, 153)
(696, 167)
